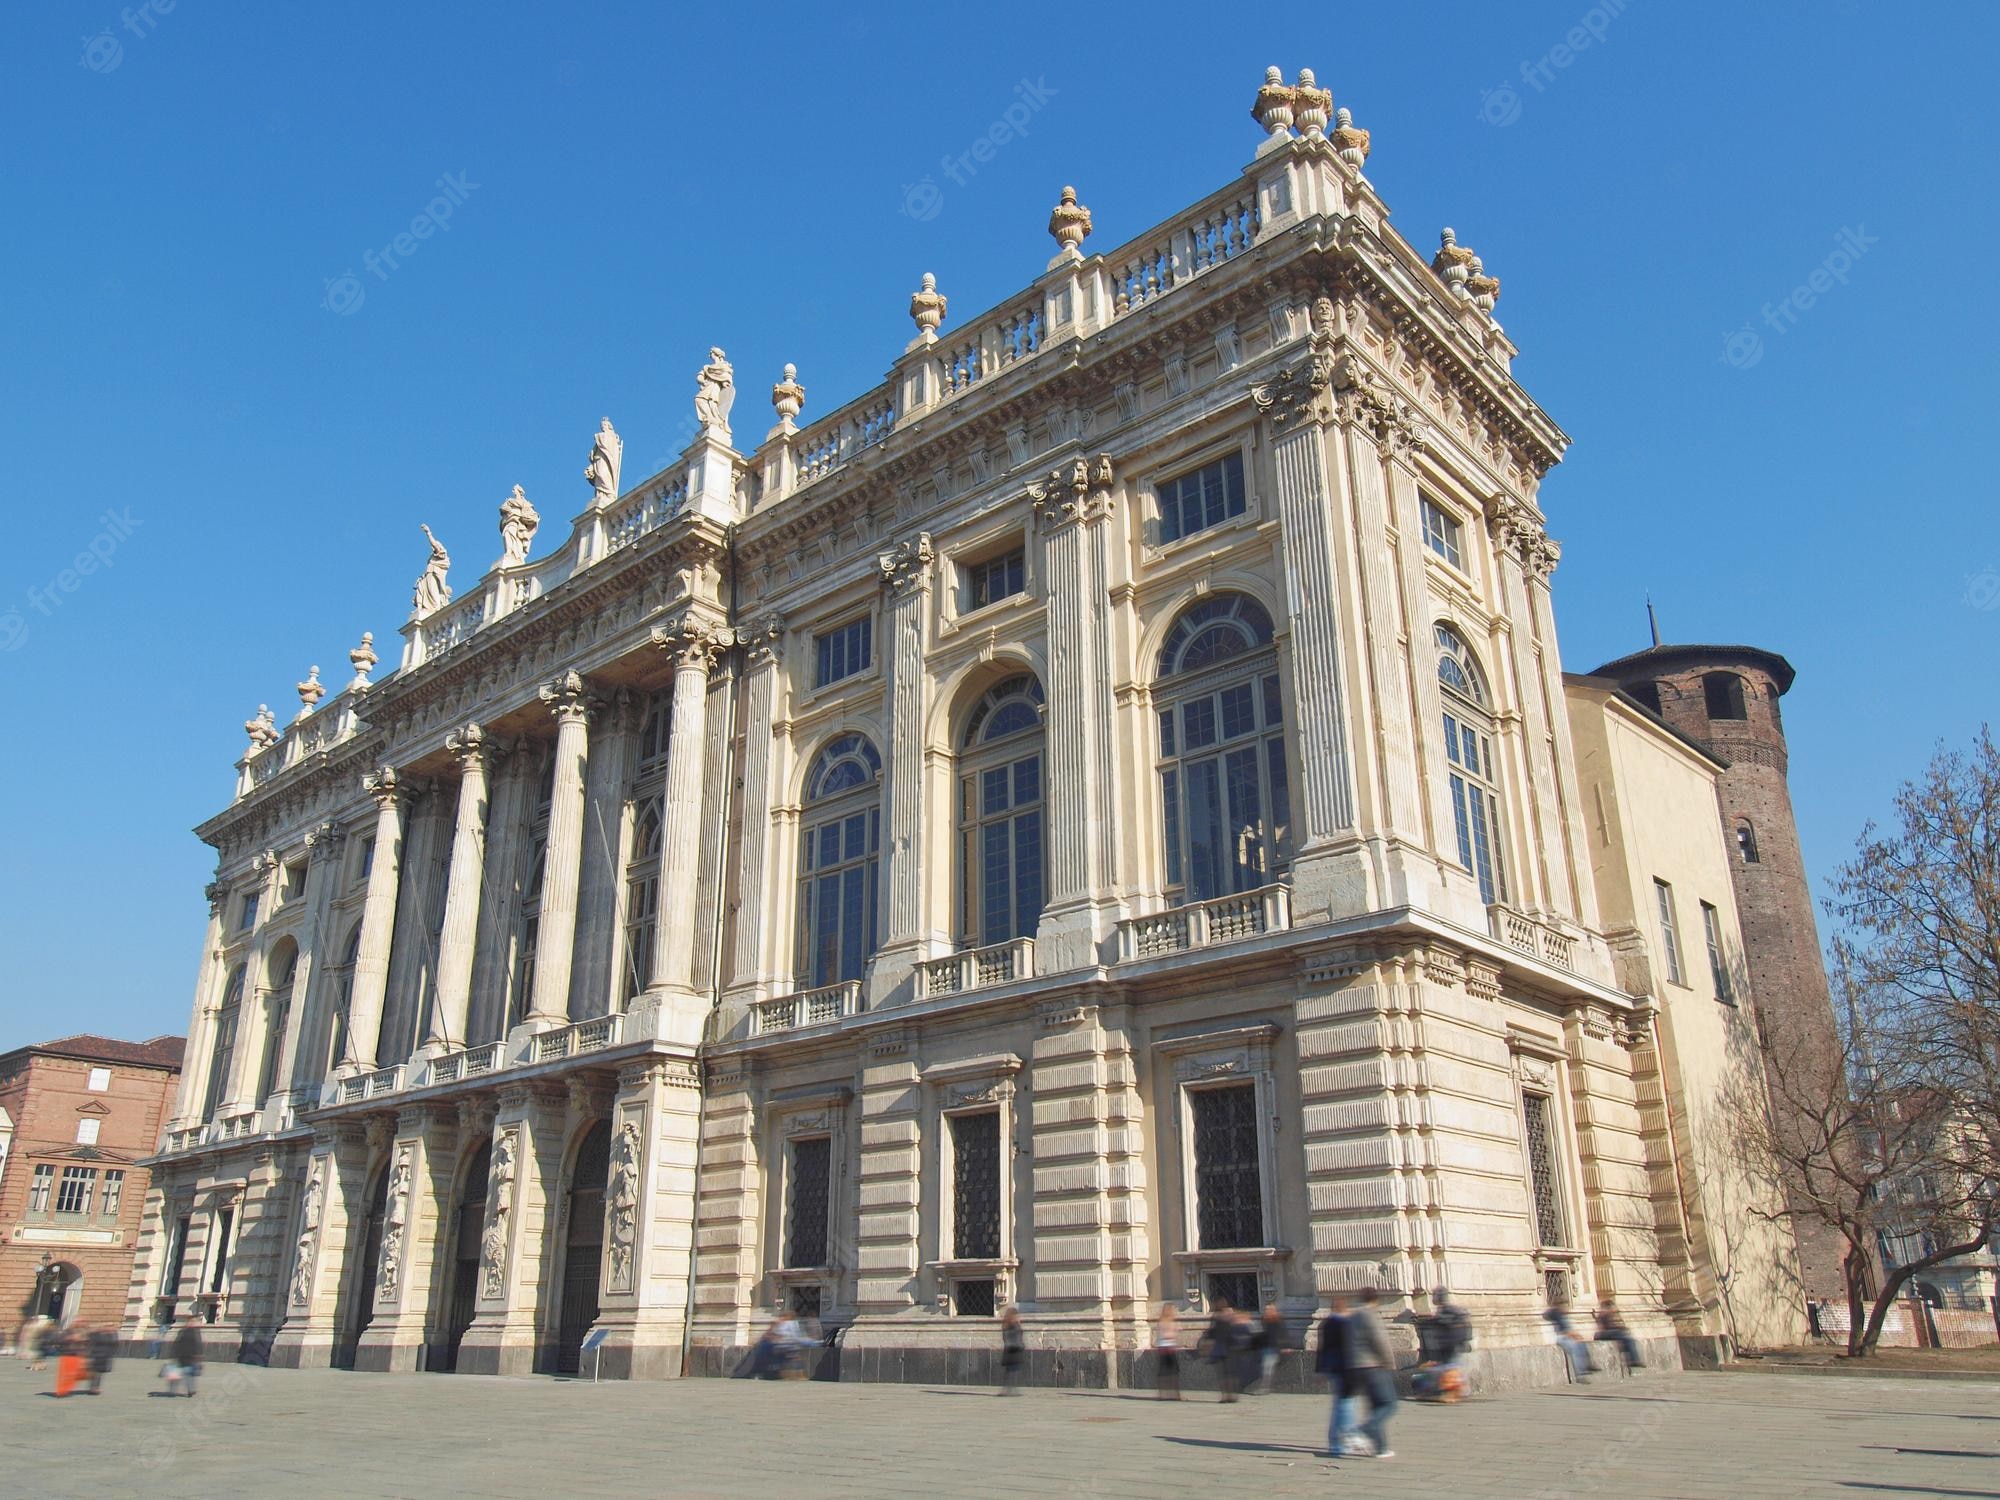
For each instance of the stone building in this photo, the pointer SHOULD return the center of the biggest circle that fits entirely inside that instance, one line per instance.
(1093, 821)
(78, 1118)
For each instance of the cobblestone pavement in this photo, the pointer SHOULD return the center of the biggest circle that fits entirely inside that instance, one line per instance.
(297, 1435)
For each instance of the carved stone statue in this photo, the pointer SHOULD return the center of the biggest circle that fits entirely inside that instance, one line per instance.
(499, 1205)
(621, 1205)
(607, 455)
(715, 393)
(518, 523)
(302, 1267)
(433, 593)
(395, 1216)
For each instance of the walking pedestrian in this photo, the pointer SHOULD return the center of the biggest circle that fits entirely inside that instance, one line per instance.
(163, 1331)
(1013, 1351)
(35, 1342)
(1611, 1329)
(1332, 1364)
(1268, 1340)
(1574, 1349)
(69, 1359)
(789, 1346)
(1371, 1360)
(184, 1361)
(1219, 1347)
(1167, 1352)
(100, 1348)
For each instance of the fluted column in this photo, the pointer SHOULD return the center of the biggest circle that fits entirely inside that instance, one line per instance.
(750, 962)
(1071, 506)
(694, 646)
(595, 982)
(378, 921)
(200, 1048)
(907, 575)
(569, 700)
(461, 902)
(1298, 404)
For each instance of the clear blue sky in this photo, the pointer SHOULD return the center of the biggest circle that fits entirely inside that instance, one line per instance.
(648, 183)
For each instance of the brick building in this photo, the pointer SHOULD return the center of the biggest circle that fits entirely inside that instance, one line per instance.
(1725, 699)
(77, 1116)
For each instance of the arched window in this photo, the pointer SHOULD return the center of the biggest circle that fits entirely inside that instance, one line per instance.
(1475, 778)
(839, 851)
(1001, 844)
(278, 1015)
(343, 999)
(1725, 696)
(642, 898)
(1225, 791)
(1746, 842)
(223, 1057)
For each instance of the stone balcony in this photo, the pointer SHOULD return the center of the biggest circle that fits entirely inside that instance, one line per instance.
(976, 968)
(1532, 936)
(832, 1002)
(1206, 924)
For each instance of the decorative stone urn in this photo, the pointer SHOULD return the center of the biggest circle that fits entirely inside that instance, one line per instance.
(1069, 222)
(927, 306)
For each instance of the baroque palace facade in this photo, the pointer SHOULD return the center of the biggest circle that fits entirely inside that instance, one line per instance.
(1098, 820)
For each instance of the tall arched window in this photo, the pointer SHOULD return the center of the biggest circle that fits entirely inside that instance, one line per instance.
(642, 899)
(1001, 841)
(839, 852)
(343, 999)
(223, 1057)
(1746, 841)
(278, 1015)
(1225, 792)
(1475, 778)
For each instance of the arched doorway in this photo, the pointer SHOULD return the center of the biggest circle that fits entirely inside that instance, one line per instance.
(583, 1251)
(468, 1224)
(58, 1292)
(362, 1311)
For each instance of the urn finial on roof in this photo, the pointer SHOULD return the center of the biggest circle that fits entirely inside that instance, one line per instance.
(310, 692)
(788, 397)
(1311, 105)
(363, 658)
(1069, 222)
(1273, 108)
(1349, 139)
(927, 306)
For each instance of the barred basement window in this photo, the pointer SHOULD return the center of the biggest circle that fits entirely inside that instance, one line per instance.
(1237, 1288)
(1228, 1179)
(806, 1213)
(975, 1219)
(1535, 1112)
(974, 1299)
(805, 1302)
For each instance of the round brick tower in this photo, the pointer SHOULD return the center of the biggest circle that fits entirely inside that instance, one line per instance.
(1725, 699)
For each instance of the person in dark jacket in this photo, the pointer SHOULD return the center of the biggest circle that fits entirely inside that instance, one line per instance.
(1268, 1342)
(1373, 1363)
(1445, 1336)
(184, 1360)
(1013, 1351)
(1611, 1329)
(1221, 1345)
(100, 1348)
(1574, 1349)
(1332, 1364)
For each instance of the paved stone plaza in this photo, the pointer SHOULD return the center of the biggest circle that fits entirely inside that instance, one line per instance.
(255, 1432)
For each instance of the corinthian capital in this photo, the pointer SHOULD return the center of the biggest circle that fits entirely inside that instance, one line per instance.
(385, 786)
(467, 744)
(908, 566)
(693, 642)
(764, 638)
(325, 840)
(567, 697)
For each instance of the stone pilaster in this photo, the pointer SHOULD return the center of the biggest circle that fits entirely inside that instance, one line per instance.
(299, 1064)
(378, 923)
(1071, 1203)
(569, 700)
(906, 576)
(416, 1229)
(1079, 916)
(461, 902)
(595, 985)
(728, 1248)
(253, 1026)
(677, 1013)
(510, 787)
(317, 1301)
(649, 1219)
(890, 1176)
(517, 1249)
(754, 959)
(1328, 879)
(200, 1050)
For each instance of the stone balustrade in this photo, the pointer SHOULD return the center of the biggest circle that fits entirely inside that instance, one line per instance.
(976, 968)
(1206, 924)
(1532, 936)
(469, 1062)
(830, 1002)
(576, 1039)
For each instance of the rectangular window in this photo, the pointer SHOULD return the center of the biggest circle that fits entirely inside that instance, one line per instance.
(1442, 533)
(100, 1080)
(295, 882)
(1718, 966)
(997, 578)
(975, 1185)
(1670, 933)
(1228, 1178)
(223, 1223)
(246, 913)
(114, 1194)
(86, 1131)
(365, 863)
(806, 1213)
(170, 1280)
(1537, 1116)
(1209, 496)
(843, 652)
(38, 1193)
(78, 1186)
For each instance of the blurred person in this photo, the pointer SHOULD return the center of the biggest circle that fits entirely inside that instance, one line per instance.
(1167, 1352)
(1332, 1364)
(1611, 1329)
(1013, 1351)
(1373, 1363)
(1574, 1349)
